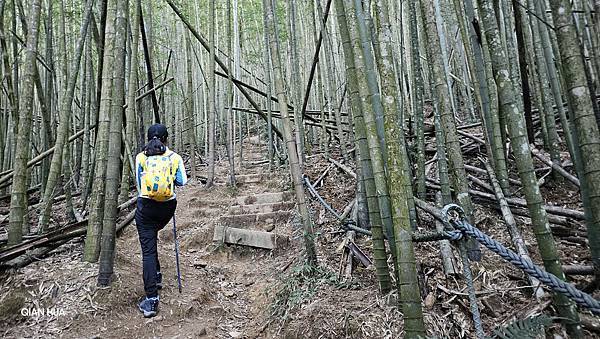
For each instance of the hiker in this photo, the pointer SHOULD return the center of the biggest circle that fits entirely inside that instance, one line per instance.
(158, 170)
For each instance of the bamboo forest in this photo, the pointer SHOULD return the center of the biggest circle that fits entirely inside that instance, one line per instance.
(300, 169)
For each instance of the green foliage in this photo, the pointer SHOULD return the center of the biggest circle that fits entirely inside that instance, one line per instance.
(12, 303)
(232, 191)
(300, 286)
(529, 328)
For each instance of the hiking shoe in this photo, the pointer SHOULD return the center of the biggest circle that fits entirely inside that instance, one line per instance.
(159, 280)
(149, 306)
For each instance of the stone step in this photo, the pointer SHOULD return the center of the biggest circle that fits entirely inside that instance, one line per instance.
(259, 239)
(241, 179)
(265, 221)
(198, 202)
(208, 211)
(265, 198)
(261, 208)
(249, 178)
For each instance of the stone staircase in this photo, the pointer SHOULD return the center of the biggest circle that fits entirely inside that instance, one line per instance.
(256, 219)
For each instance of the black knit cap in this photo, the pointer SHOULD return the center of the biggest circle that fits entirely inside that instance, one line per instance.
(159, 131)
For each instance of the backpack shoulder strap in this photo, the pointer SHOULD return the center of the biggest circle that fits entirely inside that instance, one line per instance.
(141, 159)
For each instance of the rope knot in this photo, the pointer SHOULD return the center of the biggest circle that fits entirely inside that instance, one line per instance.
(453, 213)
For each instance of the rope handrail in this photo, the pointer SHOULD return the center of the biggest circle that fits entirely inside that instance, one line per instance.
(455, 217)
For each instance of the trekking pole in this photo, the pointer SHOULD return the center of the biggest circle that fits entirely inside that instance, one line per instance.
(177, 254)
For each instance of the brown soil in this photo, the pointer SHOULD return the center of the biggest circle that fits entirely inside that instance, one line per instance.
(238, 292)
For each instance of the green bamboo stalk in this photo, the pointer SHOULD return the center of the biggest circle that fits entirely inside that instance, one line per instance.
(18, 200)
(417, 89)
(369, 95)
(397, 180)
(294, 164)
(456, 161)
(587, 135)
(94, 229)
(360, 139)
(113, 171)
(212, 113)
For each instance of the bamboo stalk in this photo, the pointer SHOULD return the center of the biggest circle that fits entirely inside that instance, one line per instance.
(511, 224)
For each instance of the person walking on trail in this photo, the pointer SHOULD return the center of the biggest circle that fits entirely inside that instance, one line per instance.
(158, 170)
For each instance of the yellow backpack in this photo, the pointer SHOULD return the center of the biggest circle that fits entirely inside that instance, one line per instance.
(158, 180)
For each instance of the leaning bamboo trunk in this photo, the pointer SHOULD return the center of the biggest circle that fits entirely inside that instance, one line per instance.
(511, 224)
(295, 77)
(311, 255)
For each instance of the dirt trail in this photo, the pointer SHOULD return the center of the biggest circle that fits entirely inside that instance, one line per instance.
(225, 292)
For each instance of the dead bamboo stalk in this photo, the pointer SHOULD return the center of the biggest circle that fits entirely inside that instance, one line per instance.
(344, 168)
(578, 270)
(556, 210)
(8, 175)
(511, 225)
(322, 176)
(65, 233)
(348, 209)
(448, 260)
(480, 182)
(482, 171)
(349, 258)
(471, 136)
(558, 168)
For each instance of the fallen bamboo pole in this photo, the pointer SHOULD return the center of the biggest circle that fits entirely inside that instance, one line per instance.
(511, 225)
(578, 270)
(67, 232)
(482, 171)
(578, 215)
(558, 168)
(344, 168)
(322, 176)
(43, 155)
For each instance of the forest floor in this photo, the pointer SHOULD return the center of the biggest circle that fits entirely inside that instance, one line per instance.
(241, 292)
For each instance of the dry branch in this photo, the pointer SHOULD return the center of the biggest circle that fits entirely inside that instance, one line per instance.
(511, 225)
(558, 168)
(344, 168)
(42, 156)
(65, 233)
(556, 210)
